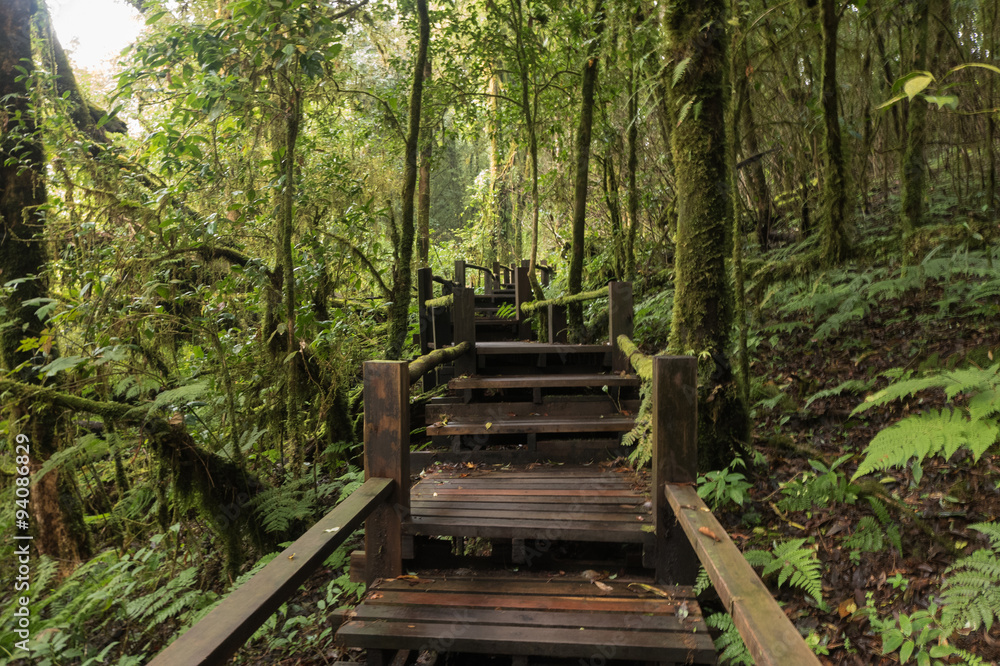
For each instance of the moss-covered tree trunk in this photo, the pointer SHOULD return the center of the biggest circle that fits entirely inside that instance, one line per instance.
(424, 193)
(703, 298)
(914, 179)
(402, 274)
(835, 227)
(589, 81)
(58, 519)
(633, 190)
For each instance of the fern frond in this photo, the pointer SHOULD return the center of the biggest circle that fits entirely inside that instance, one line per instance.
(729, 644)
(899, 390)
(796, 565)
(849, 386)
(936, 432)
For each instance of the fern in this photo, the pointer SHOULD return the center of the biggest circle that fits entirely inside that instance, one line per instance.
(702, 582)
(729, 644)
(849, 386)
(280, 507)
(970, 596)
(936, 432)
(795, 565)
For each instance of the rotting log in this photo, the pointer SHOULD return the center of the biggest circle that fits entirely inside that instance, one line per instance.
(564, 300)
(421, 366)
(642, 364)
(217, 637)
(767, 632)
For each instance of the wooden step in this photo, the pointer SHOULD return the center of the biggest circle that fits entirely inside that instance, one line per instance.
(560, 406)
(514, 347)
(530, 424)
(566, 380)
(558, 616)
(555, 502)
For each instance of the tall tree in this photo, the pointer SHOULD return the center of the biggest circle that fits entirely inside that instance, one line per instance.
(835, 229)
(703, 298)
(581, 180)
(402, 274)
(61, 532)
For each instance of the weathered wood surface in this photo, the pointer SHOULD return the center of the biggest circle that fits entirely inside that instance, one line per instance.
(675, 458)
(526, 425)
(532, 306)
(581, 380)
(562, 349)
(619, 321)
(552, 618)
(553, 406)
(766, 630)
(570, 502)
(464, 314)
(217, 637)
(387, 455)
(421, 366)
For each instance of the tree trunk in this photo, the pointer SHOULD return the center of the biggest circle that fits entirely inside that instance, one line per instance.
(575, 278)
(835, 243)
(424, 194)
(402, 277)
(633, 192)
(58, 519)
(914, 181)
(703, 299)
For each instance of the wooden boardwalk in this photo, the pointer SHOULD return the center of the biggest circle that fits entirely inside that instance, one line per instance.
(519, 469)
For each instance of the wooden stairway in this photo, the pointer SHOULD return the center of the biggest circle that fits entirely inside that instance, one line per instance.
(486, 474)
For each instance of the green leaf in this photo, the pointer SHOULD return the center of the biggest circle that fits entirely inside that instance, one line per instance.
(917, 84)
(891, 640)
(951, 101)
(982, 65)
(941, 651)
(906, 650)
(905, 625)
(890, 102)
(62, 363)
(154, 17)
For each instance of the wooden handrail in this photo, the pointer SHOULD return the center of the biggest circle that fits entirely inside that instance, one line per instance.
(642, 364)
(531, 306)
(421, 366)
(766, 631)
(440, 302)
(218, 635)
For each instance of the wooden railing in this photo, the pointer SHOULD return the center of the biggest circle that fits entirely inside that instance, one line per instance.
(383, 500)
(766, 631)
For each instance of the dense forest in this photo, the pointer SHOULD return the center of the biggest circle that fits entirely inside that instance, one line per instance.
(199, 253)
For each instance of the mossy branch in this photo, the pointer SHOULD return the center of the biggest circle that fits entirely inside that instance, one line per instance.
(210, 252)
(421, 366)
(643, 364)
(118, 411)
(363, 258)
(445, 301)
(564, 300)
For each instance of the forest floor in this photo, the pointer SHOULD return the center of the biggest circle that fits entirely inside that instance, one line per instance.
(933, 514)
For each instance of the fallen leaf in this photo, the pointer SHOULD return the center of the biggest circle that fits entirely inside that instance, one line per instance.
(709, 533)
(846, 607)
(604, 587)
(489, 424)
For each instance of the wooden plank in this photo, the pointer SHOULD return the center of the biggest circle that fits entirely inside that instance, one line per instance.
(592, 602)
(532, 425)
(690, 646)
(675, 459)
(522, 293)
(422, 507)
(217, 636)
(604, 481)
(544, 381)
(465, 329)
(528, 347)
(539, 513)
(538, 585)
(619, 321)
(387, 449)
(555, 528)
(460, 272)
(767, 632)
(425, 291)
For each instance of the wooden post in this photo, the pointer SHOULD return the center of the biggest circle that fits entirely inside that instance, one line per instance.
(557, 324)
(460, 272)
(464, 310)
(675, 460)
(522, 294)
(425, 292)
(620, 322)
(387, 455)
